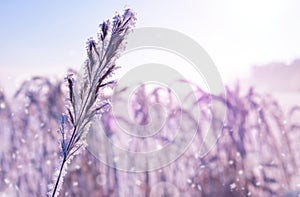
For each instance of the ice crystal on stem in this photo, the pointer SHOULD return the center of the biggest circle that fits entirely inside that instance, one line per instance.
(85, 100)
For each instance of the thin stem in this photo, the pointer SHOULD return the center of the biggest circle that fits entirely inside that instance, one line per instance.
(59, 176)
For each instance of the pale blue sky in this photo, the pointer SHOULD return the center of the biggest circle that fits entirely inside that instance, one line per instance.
(46, 37)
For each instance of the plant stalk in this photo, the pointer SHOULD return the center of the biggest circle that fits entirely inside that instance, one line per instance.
(59, 176)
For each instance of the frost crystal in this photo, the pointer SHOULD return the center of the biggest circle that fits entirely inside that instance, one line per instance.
(159, 147)
(116, 159)
(232, 186)
(2, 106)
(6, 181)
(138, 182)
(199, 187)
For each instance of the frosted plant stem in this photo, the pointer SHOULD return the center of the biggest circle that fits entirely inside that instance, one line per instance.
(85, 93)
(59, 175)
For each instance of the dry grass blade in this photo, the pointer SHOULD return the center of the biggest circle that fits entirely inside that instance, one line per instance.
(84, 92)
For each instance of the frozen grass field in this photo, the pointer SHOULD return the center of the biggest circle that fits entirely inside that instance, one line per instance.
(88, 134)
